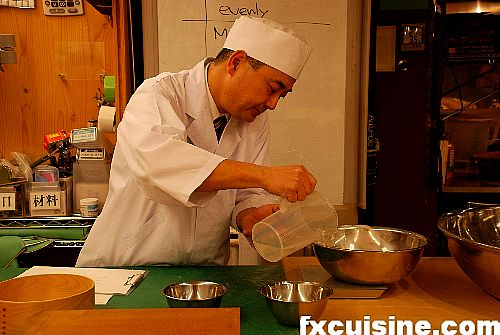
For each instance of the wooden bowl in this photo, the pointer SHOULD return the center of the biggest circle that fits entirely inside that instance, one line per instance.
(23, 299)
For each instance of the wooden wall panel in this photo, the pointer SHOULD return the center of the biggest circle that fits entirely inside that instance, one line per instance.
(57, 76)
(123, 83)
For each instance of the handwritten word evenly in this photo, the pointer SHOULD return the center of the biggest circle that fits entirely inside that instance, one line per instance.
(227, 10)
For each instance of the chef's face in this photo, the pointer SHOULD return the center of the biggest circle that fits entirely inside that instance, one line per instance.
(250, 91)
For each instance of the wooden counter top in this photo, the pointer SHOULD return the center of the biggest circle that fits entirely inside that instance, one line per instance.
(436, 290)
(221, 321)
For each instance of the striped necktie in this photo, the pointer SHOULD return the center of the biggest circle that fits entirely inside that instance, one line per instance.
(219, 124)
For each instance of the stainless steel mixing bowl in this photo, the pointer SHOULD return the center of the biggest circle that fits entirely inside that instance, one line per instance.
(289, 300)
(199, 294)
(370, 255)
(474, 242)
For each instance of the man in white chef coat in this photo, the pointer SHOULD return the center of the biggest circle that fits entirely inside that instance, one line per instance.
(174, 187)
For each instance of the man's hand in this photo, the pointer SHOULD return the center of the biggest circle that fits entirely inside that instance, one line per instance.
(291, 182)
(247, 218)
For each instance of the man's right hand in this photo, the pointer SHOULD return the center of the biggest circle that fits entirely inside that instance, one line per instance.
(291, 182)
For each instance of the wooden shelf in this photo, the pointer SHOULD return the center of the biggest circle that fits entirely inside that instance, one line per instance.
(470, 189)
(470, 185)
(466, 179)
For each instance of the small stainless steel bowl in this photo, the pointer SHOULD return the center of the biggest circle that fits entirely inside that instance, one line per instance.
(370, 255)
(474, 242)
(200, 294)
(289, 300)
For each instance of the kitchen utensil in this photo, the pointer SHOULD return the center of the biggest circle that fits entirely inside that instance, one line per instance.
(23, 299)
(473, 237)
(289, 300)
(293, 227)
(194, 294)
(370, 255)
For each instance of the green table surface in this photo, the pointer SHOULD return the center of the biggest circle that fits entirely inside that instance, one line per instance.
(243, 283)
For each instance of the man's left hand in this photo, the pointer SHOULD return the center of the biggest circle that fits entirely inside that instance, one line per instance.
(247, 218)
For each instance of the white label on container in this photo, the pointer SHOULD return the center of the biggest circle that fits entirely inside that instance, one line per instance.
(8, 201)
(90, 153)
(45, 200)
(83, 135)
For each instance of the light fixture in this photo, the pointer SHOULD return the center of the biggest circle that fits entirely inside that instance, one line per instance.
(473, 6)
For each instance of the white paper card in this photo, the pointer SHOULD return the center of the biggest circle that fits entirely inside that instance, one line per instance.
(107, 281)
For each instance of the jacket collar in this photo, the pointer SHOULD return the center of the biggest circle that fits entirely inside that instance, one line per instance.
(201, 131)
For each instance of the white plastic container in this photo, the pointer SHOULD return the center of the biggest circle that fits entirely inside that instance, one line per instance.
(294, 227)
(90, 180)
(89, 207)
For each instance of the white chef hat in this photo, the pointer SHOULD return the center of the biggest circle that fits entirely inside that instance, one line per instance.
(270, 43)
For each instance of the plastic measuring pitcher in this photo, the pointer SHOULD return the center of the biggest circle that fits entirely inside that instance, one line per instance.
(293, 227)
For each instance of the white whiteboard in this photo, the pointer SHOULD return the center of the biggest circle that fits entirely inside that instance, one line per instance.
(308, 126)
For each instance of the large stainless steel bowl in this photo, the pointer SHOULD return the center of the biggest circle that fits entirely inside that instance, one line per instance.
(474, 242)
(289, 300)
(201, 294)
(370, 255)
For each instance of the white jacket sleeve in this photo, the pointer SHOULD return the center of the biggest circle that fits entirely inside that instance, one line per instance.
(152, 136)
